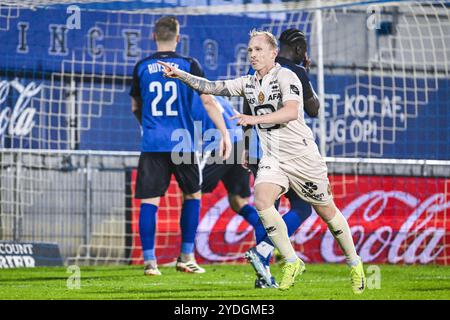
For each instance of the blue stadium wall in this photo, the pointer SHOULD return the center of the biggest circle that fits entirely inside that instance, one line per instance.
(354, 126)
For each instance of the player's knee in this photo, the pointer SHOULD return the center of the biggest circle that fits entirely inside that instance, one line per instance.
(236, 202)
(153, 201)
(262, 203)
(326, 212)
(193, 196)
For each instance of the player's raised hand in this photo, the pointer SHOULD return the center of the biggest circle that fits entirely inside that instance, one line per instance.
(244, 120)
(170, 71)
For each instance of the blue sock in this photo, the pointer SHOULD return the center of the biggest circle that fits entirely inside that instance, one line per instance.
(250, 214)
(190, 215)
(147, 230)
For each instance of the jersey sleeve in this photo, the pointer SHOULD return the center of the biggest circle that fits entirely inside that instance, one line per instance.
(135, 90)
(196, 69)
(235, 86)
(308, 91)
(290, 86)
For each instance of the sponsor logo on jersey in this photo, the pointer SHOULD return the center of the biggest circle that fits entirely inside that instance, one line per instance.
(261, 97)
(295, 90)
(275, 96)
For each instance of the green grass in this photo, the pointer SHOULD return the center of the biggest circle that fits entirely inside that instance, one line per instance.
(326, 281)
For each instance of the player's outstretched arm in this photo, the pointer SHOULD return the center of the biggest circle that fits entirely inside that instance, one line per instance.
(217, 88)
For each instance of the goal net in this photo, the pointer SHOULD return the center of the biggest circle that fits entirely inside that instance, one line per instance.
(69, 142)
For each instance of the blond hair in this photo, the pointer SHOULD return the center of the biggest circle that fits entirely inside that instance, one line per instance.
(271, 40)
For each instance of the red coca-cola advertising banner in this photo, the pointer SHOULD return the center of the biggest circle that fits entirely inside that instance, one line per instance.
(392, 219)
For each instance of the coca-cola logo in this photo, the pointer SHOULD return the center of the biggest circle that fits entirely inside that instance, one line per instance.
(414, 241)
(230, 236)
(388, 226)
(17, 119)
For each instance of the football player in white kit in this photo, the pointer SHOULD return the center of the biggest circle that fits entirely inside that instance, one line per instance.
(291, 158)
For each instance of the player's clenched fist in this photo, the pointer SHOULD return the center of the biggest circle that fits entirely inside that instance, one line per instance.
(170, 71)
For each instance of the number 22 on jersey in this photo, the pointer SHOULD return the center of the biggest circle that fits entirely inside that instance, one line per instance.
(170, 91)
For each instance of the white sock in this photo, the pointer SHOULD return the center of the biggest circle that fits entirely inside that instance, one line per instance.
(264, 249)
(152, 263)
(341, 232)
(186, 257)
(277, 231)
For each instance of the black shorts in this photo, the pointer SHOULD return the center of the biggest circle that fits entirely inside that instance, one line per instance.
(155, 171)
(235, 178)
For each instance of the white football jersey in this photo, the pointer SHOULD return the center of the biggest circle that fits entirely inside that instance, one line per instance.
(282, 141)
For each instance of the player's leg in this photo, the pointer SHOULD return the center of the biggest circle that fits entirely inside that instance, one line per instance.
(188, 176)
(149, 187)
(308, 177)
(236, 180)
(339, 228)
(147, 232)
(300, 211)
(265, 195)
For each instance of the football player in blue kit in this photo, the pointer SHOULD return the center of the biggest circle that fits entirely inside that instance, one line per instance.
(163, 106)
(234, 176)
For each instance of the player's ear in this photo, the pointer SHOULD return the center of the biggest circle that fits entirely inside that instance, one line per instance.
(153, 36)
(275, 53)
(177, 39)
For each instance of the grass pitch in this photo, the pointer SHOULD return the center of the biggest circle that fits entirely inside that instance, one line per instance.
(232, 282)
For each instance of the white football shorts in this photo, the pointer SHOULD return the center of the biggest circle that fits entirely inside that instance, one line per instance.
(306, 175)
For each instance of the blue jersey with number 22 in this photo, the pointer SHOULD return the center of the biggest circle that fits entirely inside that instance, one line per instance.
(166, 103)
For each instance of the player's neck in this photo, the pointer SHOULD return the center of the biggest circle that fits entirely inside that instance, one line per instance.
(285, 55)
(261, 73)
(166, 46)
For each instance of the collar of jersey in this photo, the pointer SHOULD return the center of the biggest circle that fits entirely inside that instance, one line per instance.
(165, 53)
(271, 71)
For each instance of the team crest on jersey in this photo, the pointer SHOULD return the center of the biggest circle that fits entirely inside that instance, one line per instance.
(261, 97)
(295, 90)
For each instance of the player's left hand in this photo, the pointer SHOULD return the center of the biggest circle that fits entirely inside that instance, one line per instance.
(245, 120)
(225, 146)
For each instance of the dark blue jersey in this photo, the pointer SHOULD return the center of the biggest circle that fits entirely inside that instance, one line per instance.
(167, 103)
(302, 75)
(207, 132)
(255, 150)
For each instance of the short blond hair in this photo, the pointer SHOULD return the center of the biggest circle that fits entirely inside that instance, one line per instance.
(268, 35)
